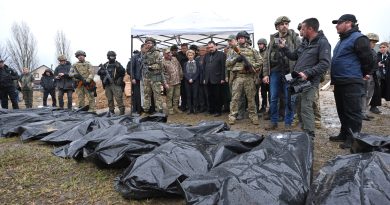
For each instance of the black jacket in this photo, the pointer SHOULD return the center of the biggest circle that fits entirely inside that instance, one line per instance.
(214, 67)
(7, 77)
(47, 81)
(134, 67)
(312, 58)
(65, 82)
(115, 71)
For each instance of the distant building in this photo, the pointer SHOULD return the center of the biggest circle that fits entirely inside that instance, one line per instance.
(37, 73)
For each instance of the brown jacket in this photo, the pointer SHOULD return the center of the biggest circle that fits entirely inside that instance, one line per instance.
(172, 71)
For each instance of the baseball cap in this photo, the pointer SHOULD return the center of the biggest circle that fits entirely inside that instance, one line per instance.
(231, 37)
(345, 17)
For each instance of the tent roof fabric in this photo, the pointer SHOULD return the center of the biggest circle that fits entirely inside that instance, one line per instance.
(193, 23)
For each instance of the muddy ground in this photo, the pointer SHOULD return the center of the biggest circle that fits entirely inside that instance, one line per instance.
(29, 174)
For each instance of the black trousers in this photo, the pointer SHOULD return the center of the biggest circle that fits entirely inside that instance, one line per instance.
(53, 97)
(265, 97)
(183, 95)
(136, 97)
(61, 98)
(202, 97)
(192, 95)
(349, 107)
(215, 97)
(13, 96)
(377, 97)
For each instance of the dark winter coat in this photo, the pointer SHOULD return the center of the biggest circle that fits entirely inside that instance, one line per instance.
(47, 81)
(64, 82)
(214, 67)
(192, 74)
(7, 77)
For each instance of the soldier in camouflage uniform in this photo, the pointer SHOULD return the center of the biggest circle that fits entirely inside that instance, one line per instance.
(230, 56)
(173, 75)
(152, 72)
(83, 70)
(111, 73)
(27, 84)
(245, 65)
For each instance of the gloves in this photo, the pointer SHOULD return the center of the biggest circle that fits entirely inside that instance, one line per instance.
(239, 59)
(78, 76)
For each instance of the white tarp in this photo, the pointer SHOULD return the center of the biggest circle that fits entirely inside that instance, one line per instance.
(193, 23)
(194, 28)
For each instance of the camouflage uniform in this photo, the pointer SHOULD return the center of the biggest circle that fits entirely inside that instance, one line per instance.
(113, 89)
(153, 77)
(173, 75)
(230, 56)
(242, 82)
(86, 71)
(26, 85)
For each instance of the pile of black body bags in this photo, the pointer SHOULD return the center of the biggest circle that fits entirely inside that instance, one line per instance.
(206, 163)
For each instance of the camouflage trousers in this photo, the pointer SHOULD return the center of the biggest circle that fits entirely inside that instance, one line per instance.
(81, 93)
(115, 91)
(243, 85)
(173, 96)
(28, 97)
(152, 88)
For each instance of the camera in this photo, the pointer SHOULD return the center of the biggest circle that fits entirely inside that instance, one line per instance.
(276, 41)
(296, 84)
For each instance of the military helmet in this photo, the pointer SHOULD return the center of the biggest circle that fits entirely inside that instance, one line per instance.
(150, 39)
(282, 19)
(80, 53)
(61, 58)
(242, 34)
(262, 40)
(373, 37)
(111, 53)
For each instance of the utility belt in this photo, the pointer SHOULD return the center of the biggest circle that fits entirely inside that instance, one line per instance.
(242, 73)
(155, 77)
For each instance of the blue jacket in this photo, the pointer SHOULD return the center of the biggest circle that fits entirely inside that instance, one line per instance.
(345, 62)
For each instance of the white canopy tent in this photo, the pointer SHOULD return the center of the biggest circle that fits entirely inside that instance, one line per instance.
(193, 28)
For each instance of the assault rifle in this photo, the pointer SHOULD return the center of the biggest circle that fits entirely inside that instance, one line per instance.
(107, 80)
(247, 65)
(91, 86)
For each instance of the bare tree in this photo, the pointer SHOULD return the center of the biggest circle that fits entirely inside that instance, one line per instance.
(62, 45)
(22, 47)
(3, 53)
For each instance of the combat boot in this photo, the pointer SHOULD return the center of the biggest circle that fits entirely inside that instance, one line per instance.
(122, 111)
(255, 120)
(177, 110)
(347, 143)
(271, 126)
(232, 120)
(338, 138)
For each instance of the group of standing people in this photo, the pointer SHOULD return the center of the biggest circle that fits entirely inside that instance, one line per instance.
(196, 80)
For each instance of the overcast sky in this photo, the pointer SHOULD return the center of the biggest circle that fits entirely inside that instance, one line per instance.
(97, 26)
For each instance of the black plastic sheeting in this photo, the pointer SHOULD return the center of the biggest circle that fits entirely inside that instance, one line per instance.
(160, 172)
(32, 124)
(368, 143)
(36, 123)
(80, 129)
(115, 146)
(353, 179)
(121, 150)
(278, 171)
(86, 145)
